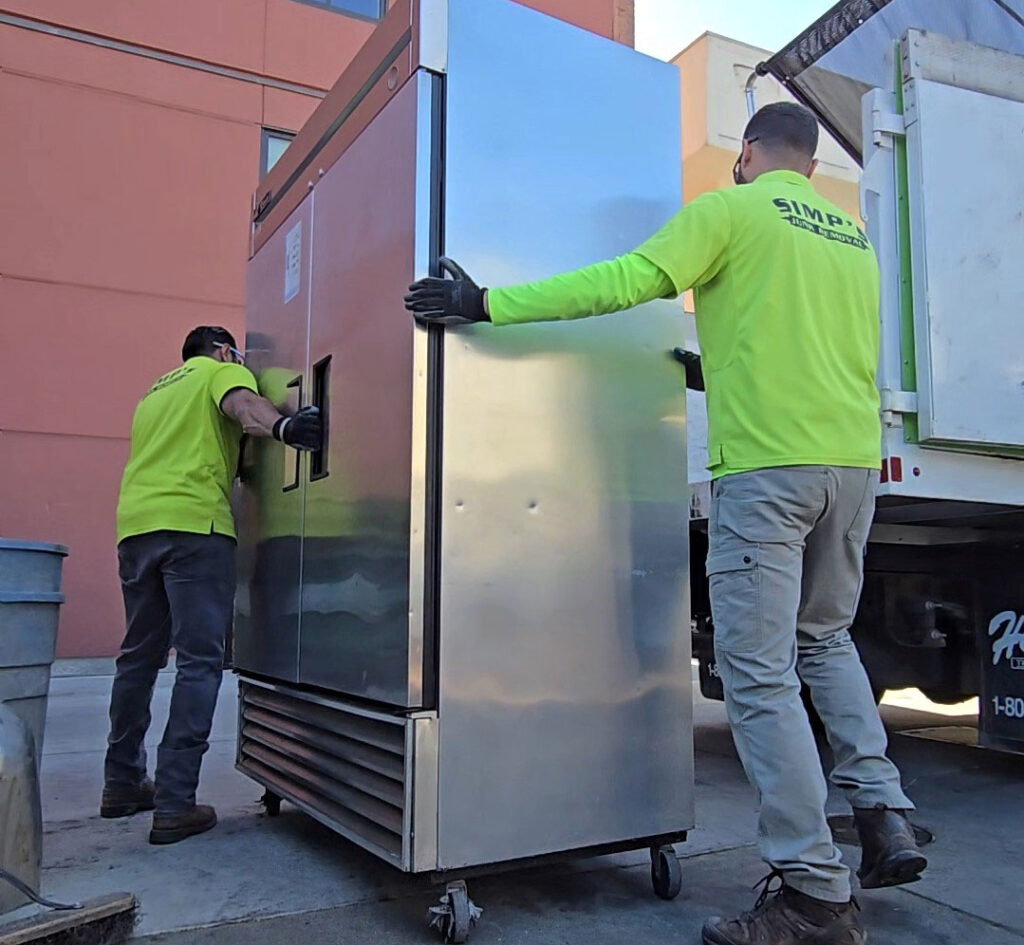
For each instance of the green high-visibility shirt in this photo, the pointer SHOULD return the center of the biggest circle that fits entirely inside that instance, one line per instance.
(786, 296)
(184, 452)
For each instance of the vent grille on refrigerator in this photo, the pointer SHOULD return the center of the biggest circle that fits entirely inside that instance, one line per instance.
(346, 769)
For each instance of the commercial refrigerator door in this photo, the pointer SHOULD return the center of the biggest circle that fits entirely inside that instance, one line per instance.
(273, 487)
(564, 657)
(361, 626)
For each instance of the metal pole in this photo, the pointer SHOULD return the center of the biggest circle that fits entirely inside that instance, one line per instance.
(748, 90)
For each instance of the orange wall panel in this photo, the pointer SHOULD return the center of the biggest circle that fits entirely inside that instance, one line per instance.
(123, 194)
(287, 110)
(77, 360)
(61, 488)
(54, 59)
(310, 45)
(228, 32)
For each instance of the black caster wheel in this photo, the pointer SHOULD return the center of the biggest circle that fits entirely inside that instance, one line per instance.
(456, 914)
(666, 873)
(271, 803)
(459, 920)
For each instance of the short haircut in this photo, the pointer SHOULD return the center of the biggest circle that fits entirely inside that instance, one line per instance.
(784, 126)
(204, 339)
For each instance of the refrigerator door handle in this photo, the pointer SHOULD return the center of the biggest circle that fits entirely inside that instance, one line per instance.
(291, 482)
(318, 468)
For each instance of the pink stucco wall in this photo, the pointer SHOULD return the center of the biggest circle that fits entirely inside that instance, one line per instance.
(124, 200)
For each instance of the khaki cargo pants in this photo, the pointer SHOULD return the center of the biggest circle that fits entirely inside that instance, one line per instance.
(785, 566)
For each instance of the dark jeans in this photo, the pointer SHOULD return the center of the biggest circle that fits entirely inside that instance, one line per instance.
(179, 591)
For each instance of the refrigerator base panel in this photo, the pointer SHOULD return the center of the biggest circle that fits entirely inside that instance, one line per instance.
(355, 771)
(345, 768)
(602, 849)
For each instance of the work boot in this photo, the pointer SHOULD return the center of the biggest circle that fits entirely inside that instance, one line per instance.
(889, 853)
(121, 801)
(170, 828)
(784, 916)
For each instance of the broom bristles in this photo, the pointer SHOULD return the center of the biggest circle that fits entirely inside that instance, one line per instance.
(110, 930)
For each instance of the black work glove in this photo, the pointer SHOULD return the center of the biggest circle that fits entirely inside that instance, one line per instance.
(455, 301)
(691, 364)
(304, 430)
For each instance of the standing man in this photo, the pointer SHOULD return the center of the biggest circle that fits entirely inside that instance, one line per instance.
(786, 290)
(176, 557)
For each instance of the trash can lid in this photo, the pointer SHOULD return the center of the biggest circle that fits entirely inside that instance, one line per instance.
(13, 544)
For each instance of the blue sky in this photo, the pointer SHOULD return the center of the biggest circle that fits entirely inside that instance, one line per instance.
(664, 27)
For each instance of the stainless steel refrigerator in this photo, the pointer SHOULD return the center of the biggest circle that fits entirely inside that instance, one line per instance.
(462, 628)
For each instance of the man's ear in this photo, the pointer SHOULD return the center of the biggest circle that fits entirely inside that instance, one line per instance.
(746, 154)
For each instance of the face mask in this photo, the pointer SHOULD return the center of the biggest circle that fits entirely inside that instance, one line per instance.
(737, 172)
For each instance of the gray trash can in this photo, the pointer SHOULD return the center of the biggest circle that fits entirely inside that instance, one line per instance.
(30, 599)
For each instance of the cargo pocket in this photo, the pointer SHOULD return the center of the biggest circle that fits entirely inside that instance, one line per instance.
(735, 583)
(860, 527)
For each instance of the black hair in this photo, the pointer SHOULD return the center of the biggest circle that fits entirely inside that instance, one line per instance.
(784, 125)
(204, 339)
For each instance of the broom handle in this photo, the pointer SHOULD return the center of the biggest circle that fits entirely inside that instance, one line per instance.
(39, 900)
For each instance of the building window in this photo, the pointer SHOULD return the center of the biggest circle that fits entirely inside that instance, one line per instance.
(364, 9)
(272, 146)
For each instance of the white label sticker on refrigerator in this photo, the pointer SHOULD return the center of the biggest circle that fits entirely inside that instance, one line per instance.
(293, 262)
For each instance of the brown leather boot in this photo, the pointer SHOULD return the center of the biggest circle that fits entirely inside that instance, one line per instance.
(170, 828)
(889, 853)
(120, 801)
(784, 916)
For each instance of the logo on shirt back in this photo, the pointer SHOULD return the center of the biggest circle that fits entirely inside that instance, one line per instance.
(179, 375)
(820, 223)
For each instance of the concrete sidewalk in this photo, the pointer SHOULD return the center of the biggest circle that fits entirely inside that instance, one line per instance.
(256, 879)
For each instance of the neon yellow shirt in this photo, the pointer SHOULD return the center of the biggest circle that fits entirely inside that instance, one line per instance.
(786, 293)
(184, 453)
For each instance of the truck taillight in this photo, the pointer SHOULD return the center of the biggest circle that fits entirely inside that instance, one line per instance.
(892, 469)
